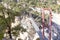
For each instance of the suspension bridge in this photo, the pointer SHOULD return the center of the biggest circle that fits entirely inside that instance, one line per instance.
(53, 24)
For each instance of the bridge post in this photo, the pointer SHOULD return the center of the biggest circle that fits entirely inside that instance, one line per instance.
(43, 15)
(50, 24)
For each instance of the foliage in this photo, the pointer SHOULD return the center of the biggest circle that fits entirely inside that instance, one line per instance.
(6, 22)
(1, 35)
(16, 30)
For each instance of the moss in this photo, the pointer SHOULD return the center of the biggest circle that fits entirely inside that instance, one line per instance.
(38, 39)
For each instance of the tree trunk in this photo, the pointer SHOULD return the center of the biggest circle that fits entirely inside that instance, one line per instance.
(9, 31)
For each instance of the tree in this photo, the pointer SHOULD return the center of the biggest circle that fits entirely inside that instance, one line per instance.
(6, 22)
